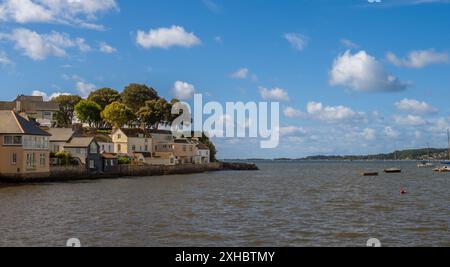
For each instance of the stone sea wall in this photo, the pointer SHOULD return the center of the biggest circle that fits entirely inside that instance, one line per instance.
(74, 173)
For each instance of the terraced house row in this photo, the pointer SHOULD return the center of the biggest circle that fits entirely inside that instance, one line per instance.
(29, 146)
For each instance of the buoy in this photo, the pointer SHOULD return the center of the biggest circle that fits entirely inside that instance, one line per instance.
(403, 191)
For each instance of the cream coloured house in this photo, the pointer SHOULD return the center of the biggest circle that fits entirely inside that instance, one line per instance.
(129, 141)
(185, 151)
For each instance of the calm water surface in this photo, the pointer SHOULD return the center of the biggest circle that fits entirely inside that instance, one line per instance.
(284, 204)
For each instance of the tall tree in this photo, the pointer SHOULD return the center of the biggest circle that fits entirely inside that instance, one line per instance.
(213, 151)
(153, 113)
(104, 97)
(88, 112)
(117, 114)
(135, 95)
(64, 117)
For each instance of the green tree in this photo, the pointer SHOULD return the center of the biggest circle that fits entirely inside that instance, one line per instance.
(104, 97)
(154, 113)
(117, 114)
(135, 95)
(213, 151)
(65, 115)
(89, 112)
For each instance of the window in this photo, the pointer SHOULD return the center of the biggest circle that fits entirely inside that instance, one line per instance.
(133, 148)
(31, 161)
(14, 159)
(119, 136)
(43, 160)
(146, 148)
(91, 164)
(12, 140)
(184, 148)
(103, 148)
(78, 150)
(111, 163)
(119, 148)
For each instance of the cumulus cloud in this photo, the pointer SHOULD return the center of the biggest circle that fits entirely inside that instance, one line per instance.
(410, 120)
(332, 114)
(4, 59)
(362, 72)
(415, 107)
(85, 88)
(369, 134)
(106, 48)
(275, 94)
(166, 38)
(390, 133)
(291, 112)
(419, 59)
(46, 96)
(73, 12)
(297, 41)
(40, 46)
(241, 73)
(183, 90)
(292, 131)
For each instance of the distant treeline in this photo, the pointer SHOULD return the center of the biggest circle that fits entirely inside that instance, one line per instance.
(411, 154)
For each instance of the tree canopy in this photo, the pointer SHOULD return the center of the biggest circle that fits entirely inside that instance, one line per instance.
(64, 117)
(104, 97)
(135, 95)
(88, 112)
(118, 114)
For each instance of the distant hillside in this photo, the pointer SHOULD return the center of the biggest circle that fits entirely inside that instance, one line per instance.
(411, 154)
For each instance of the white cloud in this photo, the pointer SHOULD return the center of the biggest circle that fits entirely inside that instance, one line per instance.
(40, 46)
(85, 88)
(298, 41)
(4, 59)
(391, 133)
(46, 96)
(369, 134)
(332, 114)
(275, 94)
(240, 73)
(106, 48)
(419, 59)
(183, 90)
(72, 12)
(362, 72)
(415, 107)
(317, 111)
(410, 120)
(348, 43)
(166, 38)
(292, 131)
(291, 112)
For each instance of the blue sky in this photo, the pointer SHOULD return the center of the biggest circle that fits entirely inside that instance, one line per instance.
(353, 77)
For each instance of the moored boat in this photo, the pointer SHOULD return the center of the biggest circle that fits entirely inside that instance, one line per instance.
(369, 173)
(425, 165)
(393, 170)
(443, 169)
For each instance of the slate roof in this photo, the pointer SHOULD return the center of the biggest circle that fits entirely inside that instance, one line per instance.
(79, 142)
(60, 134)
(13, 123)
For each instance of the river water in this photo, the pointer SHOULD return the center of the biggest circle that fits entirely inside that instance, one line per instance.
(284, 204)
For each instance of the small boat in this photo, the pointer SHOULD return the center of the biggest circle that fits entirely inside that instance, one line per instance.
(369, 173)
(393, 170)
(425, 165)
(443, 169)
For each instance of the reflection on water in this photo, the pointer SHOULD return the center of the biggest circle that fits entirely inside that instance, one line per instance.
(284, 204)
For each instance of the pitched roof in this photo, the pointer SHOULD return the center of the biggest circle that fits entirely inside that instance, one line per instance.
(202, 146)
(79, 142)
(13, 123)
(135, 132)
(60, 134)
(167, 132)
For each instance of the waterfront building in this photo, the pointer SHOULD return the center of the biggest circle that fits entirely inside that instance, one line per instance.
(128, 141)
(24, 147)
(185, 151)
(33, 107)
(86, 151)
(203, 154)
(59, 138)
